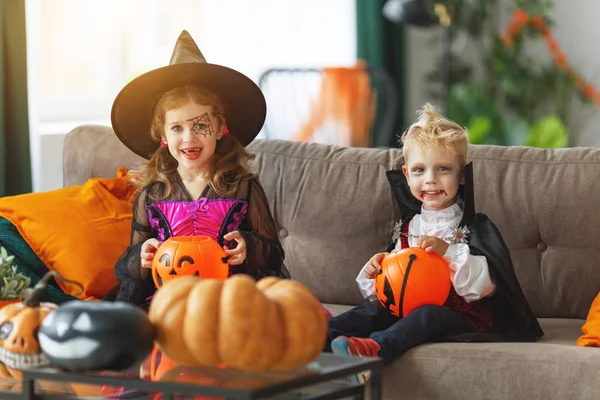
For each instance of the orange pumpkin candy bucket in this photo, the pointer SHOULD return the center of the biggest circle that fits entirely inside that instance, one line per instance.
(198, 256)
(410, 278)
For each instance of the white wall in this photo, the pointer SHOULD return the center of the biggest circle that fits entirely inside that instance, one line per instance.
(250, 36)
(576, 29)
(253, 36)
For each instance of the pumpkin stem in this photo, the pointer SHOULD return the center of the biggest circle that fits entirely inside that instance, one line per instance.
(33, 300)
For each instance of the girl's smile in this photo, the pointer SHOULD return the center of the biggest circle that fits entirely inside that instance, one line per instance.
(191, 135)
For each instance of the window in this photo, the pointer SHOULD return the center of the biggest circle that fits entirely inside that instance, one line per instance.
(81, 53)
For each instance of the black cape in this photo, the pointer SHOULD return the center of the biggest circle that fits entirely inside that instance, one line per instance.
(513, 319)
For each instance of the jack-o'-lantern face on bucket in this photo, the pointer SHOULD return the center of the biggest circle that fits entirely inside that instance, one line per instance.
(189, 255)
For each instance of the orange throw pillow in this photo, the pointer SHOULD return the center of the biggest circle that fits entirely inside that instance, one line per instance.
(77, 231)
(591, 328)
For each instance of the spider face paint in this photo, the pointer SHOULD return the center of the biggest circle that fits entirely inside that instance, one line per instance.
(201, 125)
(191, 135)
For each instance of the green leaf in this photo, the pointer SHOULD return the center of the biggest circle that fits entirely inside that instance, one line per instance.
(479, 127)
(548, 132)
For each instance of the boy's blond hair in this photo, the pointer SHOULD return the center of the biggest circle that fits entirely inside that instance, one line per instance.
(435, 131)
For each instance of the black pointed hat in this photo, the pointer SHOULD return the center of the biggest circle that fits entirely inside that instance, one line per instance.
(132, 109)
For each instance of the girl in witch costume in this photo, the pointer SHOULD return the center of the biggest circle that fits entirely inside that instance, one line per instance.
(192, 119)
(434, 190)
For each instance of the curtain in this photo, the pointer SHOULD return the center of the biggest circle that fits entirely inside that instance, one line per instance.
(15, 159)
(380, 44)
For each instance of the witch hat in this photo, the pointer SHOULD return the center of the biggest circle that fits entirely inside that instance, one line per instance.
(132, 109)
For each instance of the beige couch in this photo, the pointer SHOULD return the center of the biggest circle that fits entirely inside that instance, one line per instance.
(334, 210)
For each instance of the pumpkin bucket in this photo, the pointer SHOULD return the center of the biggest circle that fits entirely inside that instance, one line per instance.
(411, 278)
(198, 256)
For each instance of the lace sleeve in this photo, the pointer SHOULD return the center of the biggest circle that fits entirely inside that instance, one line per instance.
(264, 254)
(133, 287)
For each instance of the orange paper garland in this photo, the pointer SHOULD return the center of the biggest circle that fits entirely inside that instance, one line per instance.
(521, 19)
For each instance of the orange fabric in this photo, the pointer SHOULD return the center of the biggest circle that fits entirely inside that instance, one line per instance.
(591, 328)
(347, 97)
(78, 231)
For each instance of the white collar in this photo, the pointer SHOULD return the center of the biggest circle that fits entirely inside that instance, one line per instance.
(447, 214)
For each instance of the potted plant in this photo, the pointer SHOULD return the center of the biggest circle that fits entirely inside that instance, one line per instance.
(503, 93)
(14, 286)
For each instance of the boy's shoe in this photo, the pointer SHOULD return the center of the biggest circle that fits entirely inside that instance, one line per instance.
(353, 346)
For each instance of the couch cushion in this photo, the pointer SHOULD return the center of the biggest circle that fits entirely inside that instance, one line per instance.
(545, 203)
(333, 209)
(553, 368)
(94, 151)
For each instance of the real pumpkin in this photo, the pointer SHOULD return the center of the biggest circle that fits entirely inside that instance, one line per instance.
(272, 324)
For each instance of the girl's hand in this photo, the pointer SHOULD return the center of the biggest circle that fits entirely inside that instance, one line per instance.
(147, 253)
(374, 265)
(433, 244)
(238, 254)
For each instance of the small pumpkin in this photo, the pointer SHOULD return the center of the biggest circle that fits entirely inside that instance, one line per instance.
(19, 325)
(189, 255)
(88, 336)
(272, 324)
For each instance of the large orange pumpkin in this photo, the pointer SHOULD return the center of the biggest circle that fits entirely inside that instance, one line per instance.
(272, 324)
(411, 278)
(189, 255)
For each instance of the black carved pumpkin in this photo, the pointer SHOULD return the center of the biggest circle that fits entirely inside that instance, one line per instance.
(83, 335)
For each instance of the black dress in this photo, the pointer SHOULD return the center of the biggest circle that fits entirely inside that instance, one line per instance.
(209, 215)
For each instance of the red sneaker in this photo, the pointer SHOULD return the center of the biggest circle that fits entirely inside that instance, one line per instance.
(354, 346)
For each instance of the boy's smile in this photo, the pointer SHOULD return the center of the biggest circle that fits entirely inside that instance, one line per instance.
(433, 176)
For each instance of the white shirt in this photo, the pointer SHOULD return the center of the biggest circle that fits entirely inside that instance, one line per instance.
(469, 273)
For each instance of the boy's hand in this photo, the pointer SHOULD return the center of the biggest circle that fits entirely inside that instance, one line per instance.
(432, 243)
(374, 265)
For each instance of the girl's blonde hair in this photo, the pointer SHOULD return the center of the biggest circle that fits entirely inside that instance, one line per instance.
(435, 131)
(231, 160)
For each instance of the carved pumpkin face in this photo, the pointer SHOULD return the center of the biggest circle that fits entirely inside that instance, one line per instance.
(410, 278)
(189, 256)
(19, 345)
(80, 336)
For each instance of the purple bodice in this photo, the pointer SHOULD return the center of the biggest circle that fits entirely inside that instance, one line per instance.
(202, 217)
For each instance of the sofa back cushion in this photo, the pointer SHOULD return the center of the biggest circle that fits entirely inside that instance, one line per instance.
(334, 210)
